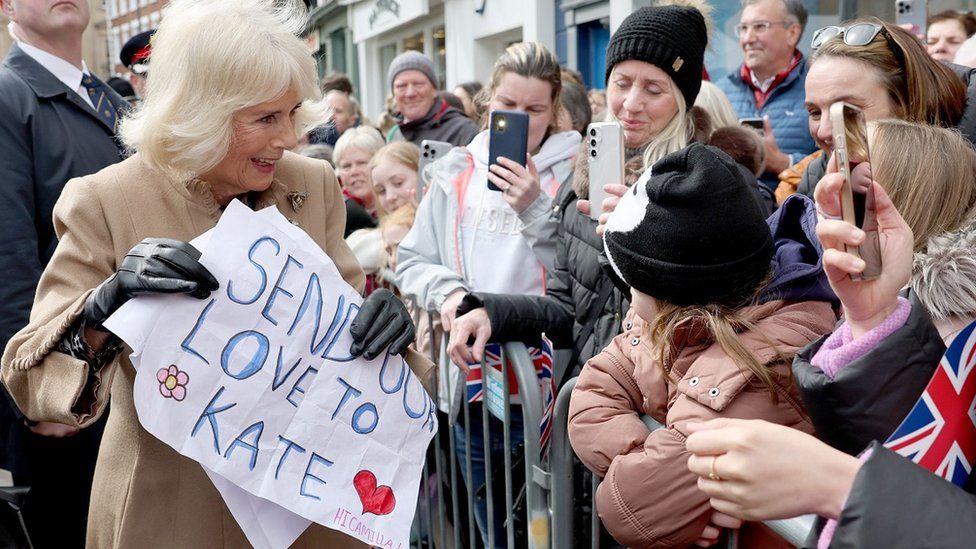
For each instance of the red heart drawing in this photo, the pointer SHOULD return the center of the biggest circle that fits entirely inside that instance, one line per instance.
(378, 500)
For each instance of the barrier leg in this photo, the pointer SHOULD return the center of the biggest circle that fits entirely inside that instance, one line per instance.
(561, 468)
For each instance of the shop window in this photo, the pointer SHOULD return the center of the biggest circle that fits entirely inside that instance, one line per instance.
(440, 53)
(337, 43)
(415, 42)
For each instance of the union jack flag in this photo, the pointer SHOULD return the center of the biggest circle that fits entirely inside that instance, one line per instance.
(542, 360)
(940, 431)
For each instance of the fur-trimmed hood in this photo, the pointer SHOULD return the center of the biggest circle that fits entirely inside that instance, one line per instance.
(944, 275)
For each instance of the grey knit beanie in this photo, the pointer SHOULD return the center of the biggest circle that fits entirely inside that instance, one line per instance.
(412, 60)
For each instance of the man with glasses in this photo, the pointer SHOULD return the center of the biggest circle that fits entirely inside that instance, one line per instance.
(770, 82)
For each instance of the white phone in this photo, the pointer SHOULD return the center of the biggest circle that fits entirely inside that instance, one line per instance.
(605, 154)
(430, 150)
(914, 13)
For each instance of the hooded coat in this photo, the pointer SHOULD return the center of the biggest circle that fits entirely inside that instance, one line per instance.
(648, 497)
(432, 261)
(578, 292)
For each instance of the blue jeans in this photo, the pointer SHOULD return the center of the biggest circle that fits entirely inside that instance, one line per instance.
(497, 441)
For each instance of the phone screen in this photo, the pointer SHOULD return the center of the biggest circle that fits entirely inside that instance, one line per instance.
(854, 162)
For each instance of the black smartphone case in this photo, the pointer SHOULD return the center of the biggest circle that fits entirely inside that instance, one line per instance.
(511, 141)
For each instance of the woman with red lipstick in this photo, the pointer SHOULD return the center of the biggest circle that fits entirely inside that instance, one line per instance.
(222, 108)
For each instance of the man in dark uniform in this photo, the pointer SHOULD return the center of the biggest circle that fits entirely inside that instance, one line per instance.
(135, 56)
(57, 121)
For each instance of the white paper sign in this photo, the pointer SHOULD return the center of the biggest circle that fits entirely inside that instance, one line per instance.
(256, 383)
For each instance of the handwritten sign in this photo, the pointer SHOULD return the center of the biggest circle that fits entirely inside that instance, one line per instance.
(256, 383)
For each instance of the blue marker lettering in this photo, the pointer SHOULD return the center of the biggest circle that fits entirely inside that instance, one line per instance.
(350, 391)
(257, 361)
(311, 461)
(264, 274)
(185, 345)
(297, 388)
(210, 412)
(276, 289)
(285, 453)
(256, 430)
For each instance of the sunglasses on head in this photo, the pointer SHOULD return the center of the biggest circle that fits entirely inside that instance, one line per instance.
(858, 34)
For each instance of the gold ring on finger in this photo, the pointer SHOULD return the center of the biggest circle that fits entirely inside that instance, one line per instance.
(711, 471)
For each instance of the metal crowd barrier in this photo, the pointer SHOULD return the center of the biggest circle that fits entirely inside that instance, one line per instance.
(549, 488)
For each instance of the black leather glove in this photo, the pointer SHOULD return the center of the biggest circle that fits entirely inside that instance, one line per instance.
(155, 265)
(383, 321)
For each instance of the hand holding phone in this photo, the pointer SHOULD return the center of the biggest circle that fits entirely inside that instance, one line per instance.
(867, 303)
(912, 15)
(605, 155)
(508, 137)
(755, 123)
(850, 134)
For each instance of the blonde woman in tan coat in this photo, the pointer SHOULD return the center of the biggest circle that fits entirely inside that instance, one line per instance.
(718, 311)
(230, 90)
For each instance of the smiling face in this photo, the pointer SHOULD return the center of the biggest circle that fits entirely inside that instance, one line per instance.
(833, 79)
(414, 94)
(261, 134)
(530, 95)
(767, 53)
(353, 172)
(944, 39)
(343, 113)
(42, 20)
(395, 185)
(641, 97)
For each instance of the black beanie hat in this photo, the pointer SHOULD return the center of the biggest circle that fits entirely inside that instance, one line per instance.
(672, 38)
(691, 232)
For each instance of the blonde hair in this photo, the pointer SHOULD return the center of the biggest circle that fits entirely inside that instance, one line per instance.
(530, 60)
(724, 324)
(714, 101)
(360, 137)
(401, 152)
(403, 216)
(212, 58)
(935, 192)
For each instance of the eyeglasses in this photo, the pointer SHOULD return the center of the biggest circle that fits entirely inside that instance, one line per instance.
(758, 27)
(858, 34)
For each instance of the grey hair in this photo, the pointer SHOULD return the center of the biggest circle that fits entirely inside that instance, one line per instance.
(944, 275)
(795, 10)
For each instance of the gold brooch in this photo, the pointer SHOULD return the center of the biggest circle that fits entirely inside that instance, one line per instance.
(297, 199)
(678, 63)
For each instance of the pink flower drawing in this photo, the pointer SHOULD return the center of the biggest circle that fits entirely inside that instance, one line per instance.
(172, 382)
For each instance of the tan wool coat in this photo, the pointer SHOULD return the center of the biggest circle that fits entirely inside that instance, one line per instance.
(145, 494)
(648, 497)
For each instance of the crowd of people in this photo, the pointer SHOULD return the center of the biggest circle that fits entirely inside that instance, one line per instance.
(715, 290)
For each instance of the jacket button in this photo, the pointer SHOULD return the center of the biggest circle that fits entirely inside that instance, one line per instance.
(713, 392)
(693, 381)
(635, 342)
(629, 325)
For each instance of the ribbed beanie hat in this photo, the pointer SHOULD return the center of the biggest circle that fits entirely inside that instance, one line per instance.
(690, 231)
(412, 60)
(672, 38)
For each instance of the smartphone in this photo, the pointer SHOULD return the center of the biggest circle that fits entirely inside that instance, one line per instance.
(430, 151)
(508, 136)
(914, 13)
(850, 133)
(605, 154)
(754, 123)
